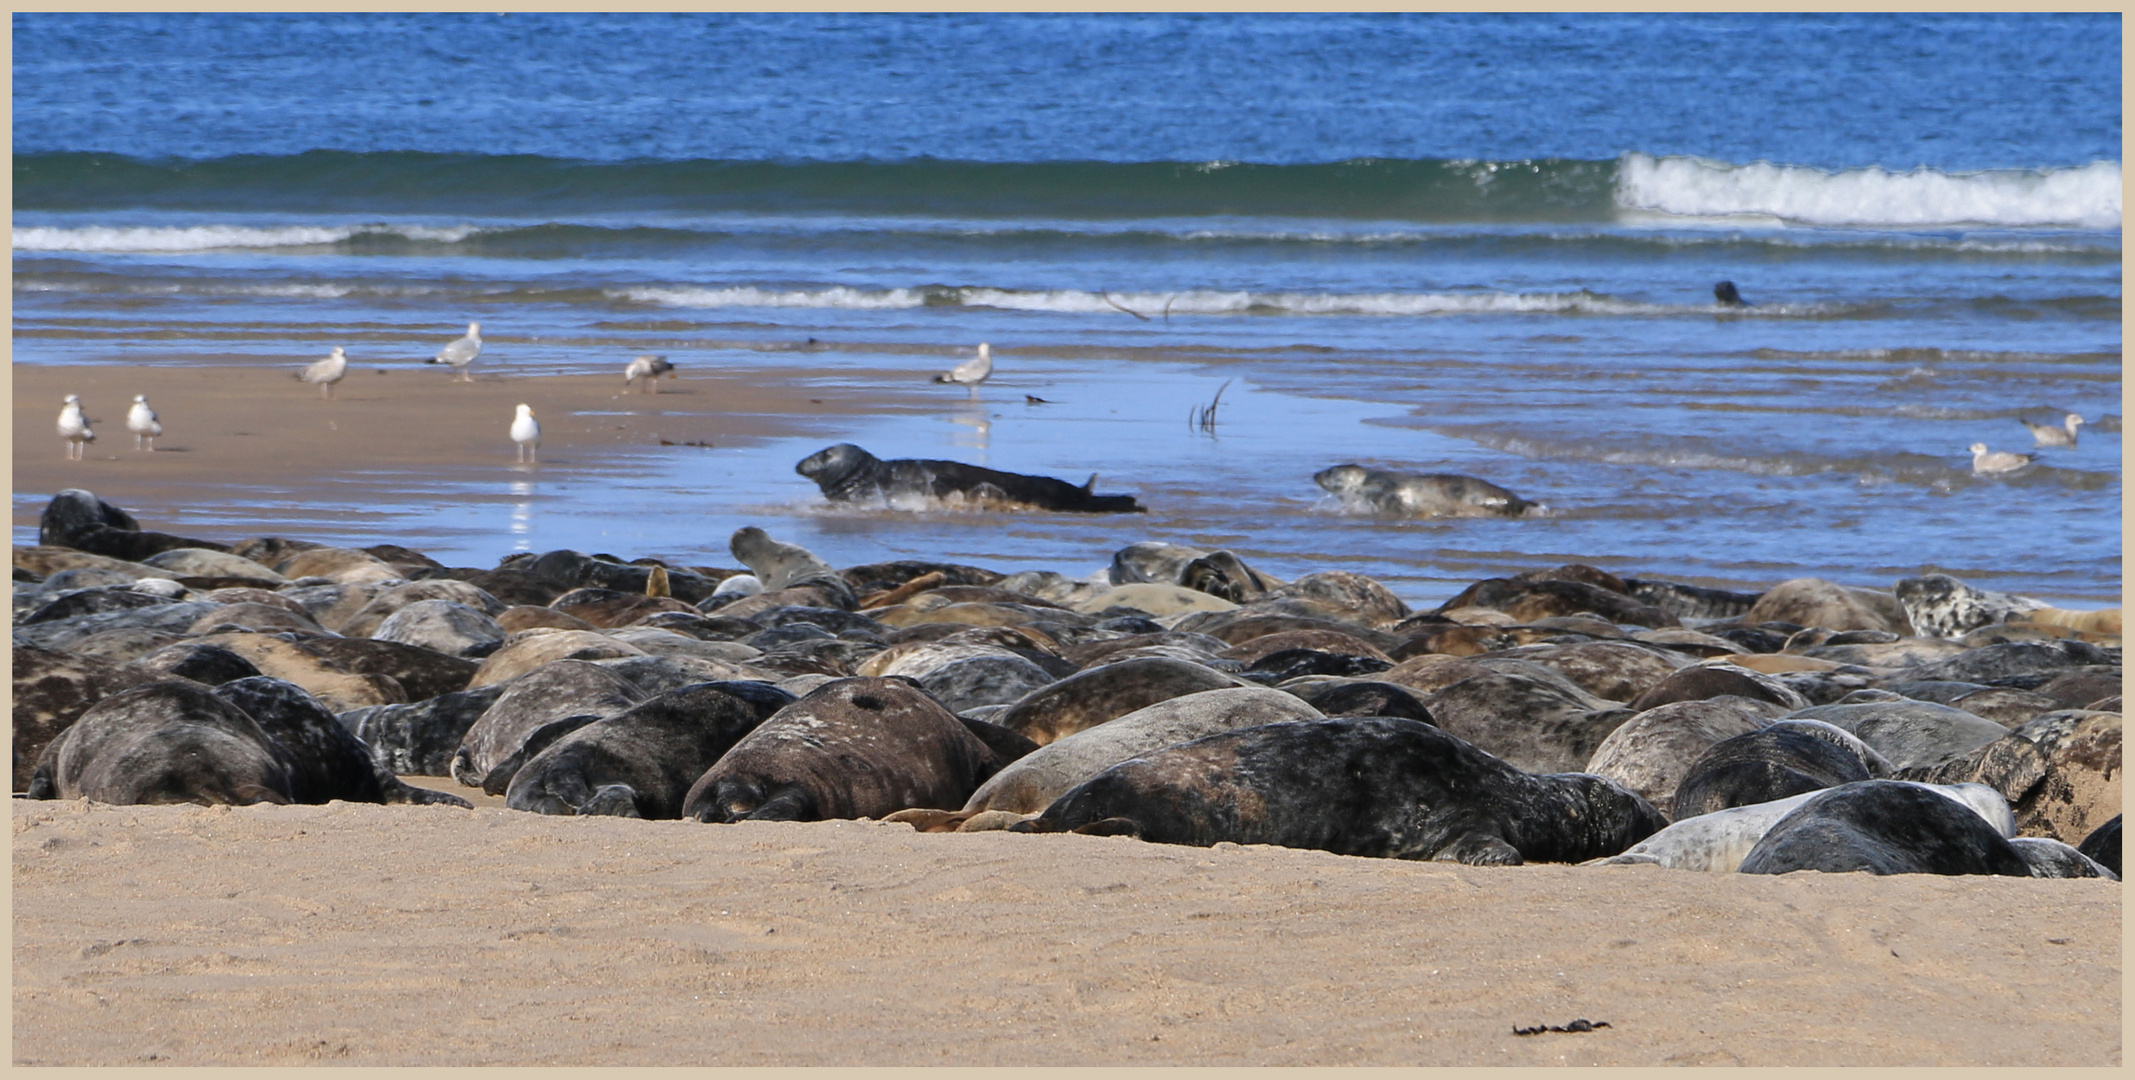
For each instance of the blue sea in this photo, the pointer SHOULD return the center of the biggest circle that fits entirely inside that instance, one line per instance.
(1483, 244)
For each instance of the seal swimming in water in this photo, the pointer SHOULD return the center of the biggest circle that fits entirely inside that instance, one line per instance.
(1386, 787)
(847, 473)
(1421, 494)
(1727, 296)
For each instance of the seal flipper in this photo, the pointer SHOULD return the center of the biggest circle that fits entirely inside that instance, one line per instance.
(612, 800)
(1480, 849)
(790, 803)
(1111, 826)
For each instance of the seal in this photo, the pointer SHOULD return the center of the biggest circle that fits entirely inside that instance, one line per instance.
(2053, 859)
(1421, 494)
(177, 742)
(1785, 758)
(847, 473)
(2103, 845)
(78, 519)
(1942, 606)
(1089, 698)
(1716, 843)
(1651, 752)
(1384, 787)
(1884, 827)
(1031, 784)
(851, 748)
(641, 762)
(537, 709)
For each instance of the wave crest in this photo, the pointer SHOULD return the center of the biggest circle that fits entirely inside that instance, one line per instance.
(2086, 197)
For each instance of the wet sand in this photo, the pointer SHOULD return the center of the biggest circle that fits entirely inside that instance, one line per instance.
(255, 443)
(369, 935)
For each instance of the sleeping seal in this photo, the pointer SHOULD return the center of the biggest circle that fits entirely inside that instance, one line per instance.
(1384, 787)
(1421, 494)
(847, 473)
(1884, 827)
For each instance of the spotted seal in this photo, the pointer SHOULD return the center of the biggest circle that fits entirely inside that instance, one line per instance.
(1385, 787)
(1421, 494)
(847, 473)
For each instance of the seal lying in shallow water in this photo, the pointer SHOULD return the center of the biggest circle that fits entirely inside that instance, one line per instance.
(847, 473)
(1421, 494)
(1376, 786)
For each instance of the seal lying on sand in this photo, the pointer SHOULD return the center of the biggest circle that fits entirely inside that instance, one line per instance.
(1421, 494)
(847, 473)
(1376, 786)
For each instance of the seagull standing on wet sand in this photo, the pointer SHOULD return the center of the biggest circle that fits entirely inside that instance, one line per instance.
(2048, 435)
(1987, 462)
(971, 372)
(526, 433)
(326, 372)
(462, 352)
(141, 420)
(74, 427)
(648, 368)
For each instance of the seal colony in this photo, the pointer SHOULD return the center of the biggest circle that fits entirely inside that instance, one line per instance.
(1178, 695)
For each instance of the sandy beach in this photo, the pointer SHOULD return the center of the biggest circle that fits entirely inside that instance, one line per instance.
(366, 935)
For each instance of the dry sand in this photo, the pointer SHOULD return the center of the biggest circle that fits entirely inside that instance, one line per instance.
(252, 431)
(435, 936)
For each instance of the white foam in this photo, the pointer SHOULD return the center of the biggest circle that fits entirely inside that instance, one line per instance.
(122, 239)
(1155, 305)
(1684, 187)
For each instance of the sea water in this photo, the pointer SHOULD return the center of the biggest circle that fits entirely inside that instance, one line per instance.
(1474, 244)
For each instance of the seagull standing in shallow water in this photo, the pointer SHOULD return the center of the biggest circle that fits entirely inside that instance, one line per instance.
(527, 433)
(141, 420)
(648, 368)
(1987, 462)
(462, 352)
(326, 372)
(74, 427)
(2048, 435)
(971, 372)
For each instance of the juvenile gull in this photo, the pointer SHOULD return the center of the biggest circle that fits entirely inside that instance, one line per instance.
(462, 352)
(2048, 435)
(648, 368)
(1987, 462)
(74, 427)
(971, 372)
(526, 433)
(141, 420)
(326, 372)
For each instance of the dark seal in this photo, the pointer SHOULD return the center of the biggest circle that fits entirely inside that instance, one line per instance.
(641, 762)
(846, 473)
(1382, 787)
(852, 748)
(1884, 827)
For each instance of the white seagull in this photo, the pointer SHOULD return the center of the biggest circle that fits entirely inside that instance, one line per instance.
(2048, 435)
(74, 427)
(141, 420)
(971, 372)
(326, 372)
(648, 368)
(462, 352)
(526, 433)
(1987, 462)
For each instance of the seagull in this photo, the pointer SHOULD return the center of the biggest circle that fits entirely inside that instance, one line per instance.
(1725, 293)
(326, 372)
(141, 420)
(526, 433)
(2048, 435)
(971, 372)
(74, 427)
(648, 368)
(1987, 462)
(462, 352)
